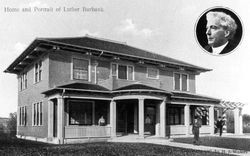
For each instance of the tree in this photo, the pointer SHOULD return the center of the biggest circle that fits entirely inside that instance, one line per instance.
(12, 123)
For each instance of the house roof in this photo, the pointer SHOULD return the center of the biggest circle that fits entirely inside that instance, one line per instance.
(193, 96)
(103, 46)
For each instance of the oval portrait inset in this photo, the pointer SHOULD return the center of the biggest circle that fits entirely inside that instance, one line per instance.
(218, 31)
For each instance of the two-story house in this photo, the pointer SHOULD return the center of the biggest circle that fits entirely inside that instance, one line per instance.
(65, 85)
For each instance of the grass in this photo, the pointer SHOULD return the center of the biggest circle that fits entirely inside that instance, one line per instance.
(14, 146)
(222, 142)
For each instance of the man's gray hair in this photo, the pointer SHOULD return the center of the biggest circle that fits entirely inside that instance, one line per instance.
(224, 20)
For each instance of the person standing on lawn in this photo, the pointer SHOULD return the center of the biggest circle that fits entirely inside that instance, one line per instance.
(220, 124)
(196, 129)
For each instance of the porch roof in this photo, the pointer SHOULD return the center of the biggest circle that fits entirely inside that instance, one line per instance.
(78, 87)
(192, 96)
(139, 88)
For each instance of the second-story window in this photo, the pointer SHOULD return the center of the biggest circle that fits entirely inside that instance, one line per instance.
(23, 81)
(38, 71)
(80, 69)
(125, 72)
(181, 82)
(122, 72)
(114, 70)
(152, 73)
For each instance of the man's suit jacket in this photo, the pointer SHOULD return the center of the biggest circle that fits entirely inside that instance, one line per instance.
(230, 46)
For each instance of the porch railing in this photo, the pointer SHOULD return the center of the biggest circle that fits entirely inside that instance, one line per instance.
(87, 131)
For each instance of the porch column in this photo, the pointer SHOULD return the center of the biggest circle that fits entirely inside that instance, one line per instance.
(60, 125)
(50, 118)
(157, 121)
(211, 119)
(236, 120)
(241, 122)
(187, 118)
(163, 118)
(141, 117)
(113, 118)
(135, 119)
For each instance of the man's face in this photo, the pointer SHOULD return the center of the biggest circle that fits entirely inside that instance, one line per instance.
(216, 35)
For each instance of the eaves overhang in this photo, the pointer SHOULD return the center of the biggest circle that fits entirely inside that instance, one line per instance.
(31, 53)
(41, 45)
(179, 66)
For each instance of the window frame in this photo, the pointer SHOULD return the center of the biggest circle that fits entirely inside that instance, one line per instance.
(38, 69)
(72, 69)
(180, 81)
(23, 81)
(116, 74)
(92, 112)
(157, 72)
(22, 120)
(176, 110)
(37, 113)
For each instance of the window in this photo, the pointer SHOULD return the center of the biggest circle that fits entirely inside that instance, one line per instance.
(181, 82)
(176, 115)
(184, 82)
(38, 71)
(23, 81)
(152, 73)
(80, 113)
(114, 70)
(130, 72)
(37, 114)
(22, 116)
(124, 72)
(80, 69)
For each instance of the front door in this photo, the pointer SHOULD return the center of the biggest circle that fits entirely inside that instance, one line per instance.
(125, 116)
(150, 119)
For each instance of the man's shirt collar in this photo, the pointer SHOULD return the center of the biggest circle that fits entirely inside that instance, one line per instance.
(217, 50)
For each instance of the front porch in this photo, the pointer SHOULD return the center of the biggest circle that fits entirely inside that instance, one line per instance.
(142, 112)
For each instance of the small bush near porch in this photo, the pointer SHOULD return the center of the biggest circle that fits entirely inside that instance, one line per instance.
(13, 146)
(222, 142)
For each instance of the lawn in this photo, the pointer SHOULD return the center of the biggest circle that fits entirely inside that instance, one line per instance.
(222, 142)
(20, 147)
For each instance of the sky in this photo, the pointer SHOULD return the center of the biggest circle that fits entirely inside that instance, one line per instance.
(163, 27)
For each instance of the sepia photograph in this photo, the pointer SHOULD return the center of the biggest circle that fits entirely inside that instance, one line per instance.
(113, 77)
